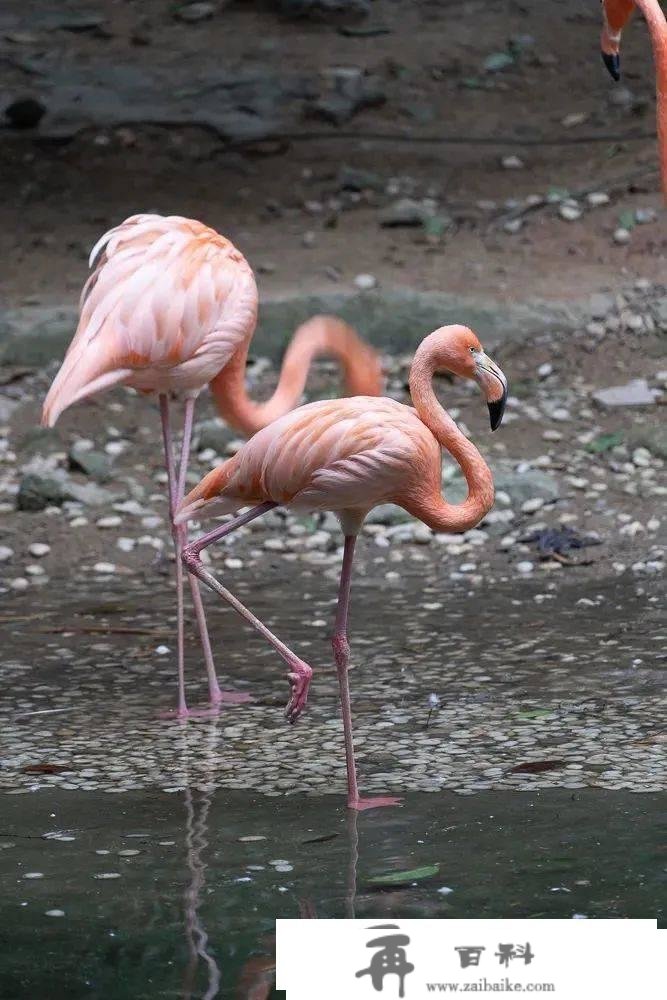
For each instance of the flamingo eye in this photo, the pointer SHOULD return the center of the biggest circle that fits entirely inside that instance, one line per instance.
(472, 350)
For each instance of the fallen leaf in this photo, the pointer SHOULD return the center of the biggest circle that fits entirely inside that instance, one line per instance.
(46, 768)
(400, 878)
(536, 766)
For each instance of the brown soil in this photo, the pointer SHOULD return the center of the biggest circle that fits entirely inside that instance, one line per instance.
(56, 198)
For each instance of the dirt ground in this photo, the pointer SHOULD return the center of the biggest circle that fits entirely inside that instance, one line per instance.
(283, 199)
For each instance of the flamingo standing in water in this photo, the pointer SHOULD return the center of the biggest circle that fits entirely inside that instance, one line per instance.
(170, 306)
(615, 16)
(347, 456)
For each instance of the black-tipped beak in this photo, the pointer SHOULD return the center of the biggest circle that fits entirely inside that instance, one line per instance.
(613, 64)
(496, 411)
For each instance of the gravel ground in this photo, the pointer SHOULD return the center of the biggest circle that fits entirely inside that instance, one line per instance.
(510, 646)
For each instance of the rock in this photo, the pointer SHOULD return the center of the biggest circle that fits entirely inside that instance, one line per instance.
(353, 179)
(621, 236)
(39, 441)
(191, 13)
(407, 212)
(633, 393)
(569, 211)
(365, 282)
(39, 549)
(5, 553)
(652, 437)
(388, 513)
(320, 8)
(513, 226)
(524, 567)
(93, 463)
(213, 435)
(39, 490)
(597, 198)
(26, 112)
(524, 486)
(660, 312)
(512, 163)
(601, 305)
(497, 62)
(645, 215)
(351, 92)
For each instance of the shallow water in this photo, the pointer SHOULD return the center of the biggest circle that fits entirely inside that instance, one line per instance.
(566, 685)
(192, 911)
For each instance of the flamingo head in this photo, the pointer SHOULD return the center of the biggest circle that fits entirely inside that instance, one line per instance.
(615, 14)
(459, 351)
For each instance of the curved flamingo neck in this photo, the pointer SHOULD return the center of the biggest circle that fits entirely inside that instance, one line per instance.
(433, 509)
(319, 335)
(657, 26)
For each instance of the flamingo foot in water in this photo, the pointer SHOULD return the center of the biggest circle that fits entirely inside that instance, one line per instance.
(299, 678)
(361, 804)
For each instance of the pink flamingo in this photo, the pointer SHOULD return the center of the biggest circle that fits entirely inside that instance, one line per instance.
(346, 456)
(615, 16)
(171, 305)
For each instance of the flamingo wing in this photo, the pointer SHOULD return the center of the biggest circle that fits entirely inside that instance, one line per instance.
(333, 455)
(163, 292)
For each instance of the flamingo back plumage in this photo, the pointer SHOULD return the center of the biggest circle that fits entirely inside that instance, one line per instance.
(168, 303)
(347, 454)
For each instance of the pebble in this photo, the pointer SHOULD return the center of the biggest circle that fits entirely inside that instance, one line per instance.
(34, 875)
(104, 567)
(107, 875)
(525, 567)
(5, 553)
(597, 198)
(570, 212)
(39, 549)
(512, 163)
(621, 236)
(532, 505)
(19, 583)
(54, 913)
(545, 370)
(112, 521)
(365, 282)
(162, 650)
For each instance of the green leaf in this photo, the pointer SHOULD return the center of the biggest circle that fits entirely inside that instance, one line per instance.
(627, 219)
(399, 878)
(535, 713)
(604, 442)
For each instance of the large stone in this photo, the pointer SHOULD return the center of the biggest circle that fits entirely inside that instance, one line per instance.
(93, 463)
(636, 392)
(530, 484)
(52, 488)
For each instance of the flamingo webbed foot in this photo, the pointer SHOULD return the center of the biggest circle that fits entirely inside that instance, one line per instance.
(299, 678)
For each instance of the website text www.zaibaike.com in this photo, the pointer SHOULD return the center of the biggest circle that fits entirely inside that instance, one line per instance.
(485, 985)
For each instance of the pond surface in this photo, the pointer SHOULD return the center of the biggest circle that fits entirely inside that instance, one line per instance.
(200, 875)
(146, 858)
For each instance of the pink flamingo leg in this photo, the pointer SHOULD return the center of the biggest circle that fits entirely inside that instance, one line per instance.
(182, 710)
(299, 672)
(216, 695)
(341, 649)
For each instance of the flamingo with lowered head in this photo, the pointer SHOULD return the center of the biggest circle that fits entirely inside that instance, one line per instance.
(170, 306)
(615, 16)
(347, 456)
